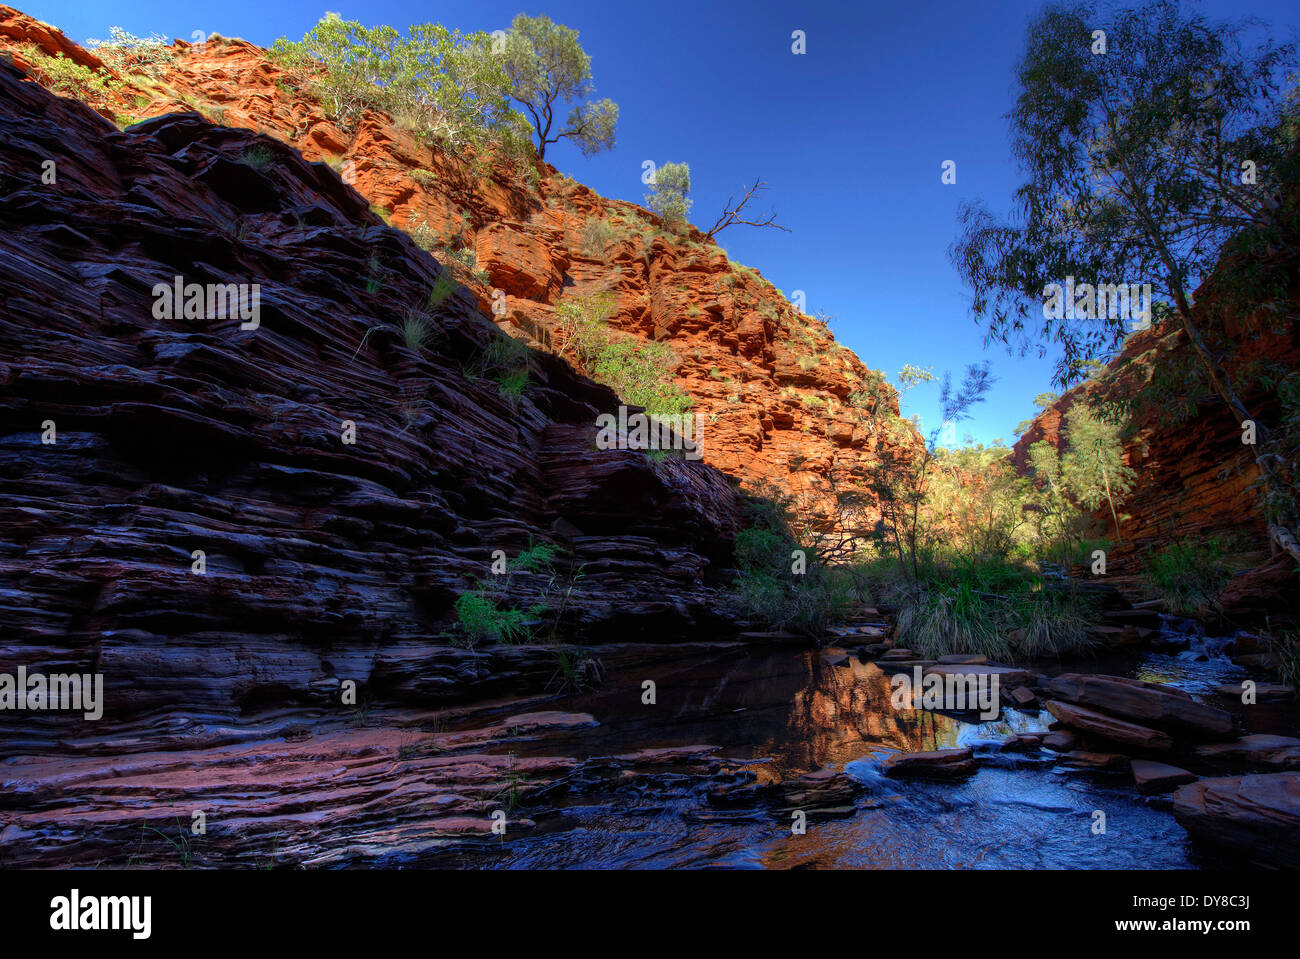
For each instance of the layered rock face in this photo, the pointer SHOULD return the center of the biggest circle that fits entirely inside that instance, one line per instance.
(779, 400)
(221, 510)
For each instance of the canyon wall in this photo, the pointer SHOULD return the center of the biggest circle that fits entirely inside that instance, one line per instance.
(779, 400)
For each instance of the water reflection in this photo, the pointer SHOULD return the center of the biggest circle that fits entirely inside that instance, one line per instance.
(783, 713)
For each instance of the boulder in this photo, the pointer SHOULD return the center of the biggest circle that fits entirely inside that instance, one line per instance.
(1261, 749)
(936, 764)
(1008, 676)
(1149, 704)
(1108, 727)
(1061, 741)
(1257, 817)
(1152, 777)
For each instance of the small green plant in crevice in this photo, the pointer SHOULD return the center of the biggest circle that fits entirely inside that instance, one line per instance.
(481, 619)
(508, 362)
(256, 157)
(576, 671)
(1285, 647)
(511, 794)
(182, 843)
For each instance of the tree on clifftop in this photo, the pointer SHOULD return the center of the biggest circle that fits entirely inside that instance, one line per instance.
(546, 65)
(1154, 144)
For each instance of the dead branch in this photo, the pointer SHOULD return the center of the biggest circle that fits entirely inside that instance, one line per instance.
(732, 213)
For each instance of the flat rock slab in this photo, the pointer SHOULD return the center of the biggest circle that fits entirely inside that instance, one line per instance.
(1253, 816)
(1149, 704)
(936, 764)
(1261, 749)
(1264, 692)
(970, 659)
(1152, 777)
(1008, 676)
(1061, 741)
(1087, 759)
(1108, 727)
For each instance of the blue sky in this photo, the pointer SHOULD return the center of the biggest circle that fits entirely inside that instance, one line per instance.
(850, 136)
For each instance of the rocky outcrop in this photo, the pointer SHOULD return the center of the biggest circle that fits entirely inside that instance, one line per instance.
(1150, 704)
(931, 764)
(1256, 817)
(779, 400)
(222, 511)
(1094, 723)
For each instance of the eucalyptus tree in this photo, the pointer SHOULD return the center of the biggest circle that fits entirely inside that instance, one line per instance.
(1154, 143)
(547, 66)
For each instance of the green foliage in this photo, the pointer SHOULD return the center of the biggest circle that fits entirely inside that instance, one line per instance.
(782, 585)
(438, 82)
(124, 53)
(1093, 467)
(668, 196)
(546, 66)
(1188, 574)
(482, 620)
(1001, 609)
(66, 77)
(597, 234)
(640, 372)
(258, 157)
(1133, 167)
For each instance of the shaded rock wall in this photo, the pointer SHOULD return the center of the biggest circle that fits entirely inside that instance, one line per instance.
(326, 560)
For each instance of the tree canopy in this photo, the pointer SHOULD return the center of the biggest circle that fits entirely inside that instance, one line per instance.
(547, 66)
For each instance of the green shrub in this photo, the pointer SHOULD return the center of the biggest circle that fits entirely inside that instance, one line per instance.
(596, 236)
(438, 82)
(640, 372)
(66, 77)
(480, 619)
(1188, 574)
(125, 53)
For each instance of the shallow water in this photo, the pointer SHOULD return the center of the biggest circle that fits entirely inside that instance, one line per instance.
(785, 712)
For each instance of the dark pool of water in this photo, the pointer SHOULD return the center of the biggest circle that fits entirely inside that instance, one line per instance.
(782, 713)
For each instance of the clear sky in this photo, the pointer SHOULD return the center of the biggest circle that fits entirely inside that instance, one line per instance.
(850, 136)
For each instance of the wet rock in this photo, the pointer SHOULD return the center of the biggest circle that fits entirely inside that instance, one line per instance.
(1060, 741)
(971, 659)
(1264, 692)
(1087, 759)
(825, 788)
(1256, 817)
(1024, 743)
(1093, 723)
(1149, 704)
(935, 764)
(1153, 777)
(1008, 676)
(1023, 697)
(1260, 750)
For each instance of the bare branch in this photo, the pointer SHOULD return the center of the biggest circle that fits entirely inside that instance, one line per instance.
(732, 213)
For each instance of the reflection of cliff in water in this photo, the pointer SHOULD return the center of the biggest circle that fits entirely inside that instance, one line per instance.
(793, 711)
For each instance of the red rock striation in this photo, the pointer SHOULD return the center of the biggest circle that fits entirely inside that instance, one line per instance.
(780, 401)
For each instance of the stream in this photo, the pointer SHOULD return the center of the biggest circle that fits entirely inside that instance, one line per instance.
(783, 713)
